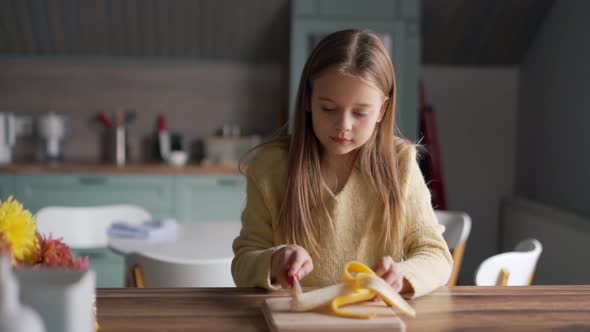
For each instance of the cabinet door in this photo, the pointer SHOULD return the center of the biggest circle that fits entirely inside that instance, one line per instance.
(109, 267)
(209, 198)
(375, 10)
(150, 192)
(6, 186)
(378, 10)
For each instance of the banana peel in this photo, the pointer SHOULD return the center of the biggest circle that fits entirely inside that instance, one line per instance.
(358, 283)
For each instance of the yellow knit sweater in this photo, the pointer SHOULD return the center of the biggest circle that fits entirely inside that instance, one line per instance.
(426, 261)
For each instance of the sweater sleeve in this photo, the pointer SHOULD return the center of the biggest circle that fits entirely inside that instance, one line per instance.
(428, 262)
(253, 248)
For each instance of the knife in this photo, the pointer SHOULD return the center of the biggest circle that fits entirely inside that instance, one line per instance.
(296, 287)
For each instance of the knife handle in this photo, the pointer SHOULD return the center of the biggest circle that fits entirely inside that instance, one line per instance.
(289, 279)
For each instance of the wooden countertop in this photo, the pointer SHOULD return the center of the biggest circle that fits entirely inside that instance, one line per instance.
(134, 168)
(530, 308)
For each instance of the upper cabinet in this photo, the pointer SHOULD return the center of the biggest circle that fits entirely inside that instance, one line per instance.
(396, 22)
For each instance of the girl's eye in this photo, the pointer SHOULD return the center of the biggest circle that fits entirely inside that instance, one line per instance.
(327, 109)
(360, 115)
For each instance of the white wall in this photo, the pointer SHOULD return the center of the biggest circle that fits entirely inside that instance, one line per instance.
(558, 231)
(553, 164)
(476, 112)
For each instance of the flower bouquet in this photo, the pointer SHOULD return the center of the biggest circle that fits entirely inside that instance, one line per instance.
(39, 257)
(18, 234)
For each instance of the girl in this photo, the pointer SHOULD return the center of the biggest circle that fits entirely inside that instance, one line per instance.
(342, 187)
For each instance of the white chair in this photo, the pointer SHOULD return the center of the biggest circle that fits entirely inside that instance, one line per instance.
(152, 272)
(515, 268)
(86, 227)
(457, 229)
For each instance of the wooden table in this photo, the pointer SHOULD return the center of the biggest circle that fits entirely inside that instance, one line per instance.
(531, 308)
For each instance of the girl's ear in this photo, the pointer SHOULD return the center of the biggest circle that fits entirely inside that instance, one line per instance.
(383, 109)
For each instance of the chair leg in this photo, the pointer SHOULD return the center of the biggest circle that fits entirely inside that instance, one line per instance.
(503, 278)
(129, 282)
(530, 281)
(457, 260)
(138, 276)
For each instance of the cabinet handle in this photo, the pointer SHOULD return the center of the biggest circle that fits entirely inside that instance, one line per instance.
(229, 182)
(93, 180)
(91, 254)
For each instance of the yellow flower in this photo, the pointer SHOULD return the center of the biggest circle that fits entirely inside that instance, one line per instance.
(19, 228)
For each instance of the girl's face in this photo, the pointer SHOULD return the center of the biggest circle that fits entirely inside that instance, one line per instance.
(345, 111)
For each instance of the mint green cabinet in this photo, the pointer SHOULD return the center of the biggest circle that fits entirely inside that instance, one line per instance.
(6, 186)
(395, 21)
(109, 267)
(209, 198)
(188, 198)
(184, 197)
(151, 192)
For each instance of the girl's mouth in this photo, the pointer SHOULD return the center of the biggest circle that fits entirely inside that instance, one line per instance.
(340, 140)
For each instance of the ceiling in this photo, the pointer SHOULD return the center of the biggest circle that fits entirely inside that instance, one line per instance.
(480, 32)
(203, 29)
(454, 32)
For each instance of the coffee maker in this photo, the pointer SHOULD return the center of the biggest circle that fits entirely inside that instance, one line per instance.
(7, 136)
(51, 129)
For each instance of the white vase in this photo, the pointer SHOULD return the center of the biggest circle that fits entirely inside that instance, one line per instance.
(14, 317)
(64, 298)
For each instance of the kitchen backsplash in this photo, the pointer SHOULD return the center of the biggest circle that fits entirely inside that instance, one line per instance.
(197, 98)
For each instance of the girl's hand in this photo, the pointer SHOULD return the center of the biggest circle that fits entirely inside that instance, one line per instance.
(288, 262)
(390, 271)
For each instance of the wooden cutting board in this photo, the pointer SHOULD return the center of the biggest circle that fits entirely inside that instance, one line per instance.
(280, 318)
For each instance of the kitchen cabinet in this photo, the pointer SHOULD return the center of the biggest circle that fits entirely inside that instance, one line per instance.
(6, 186)
(209, 198)
(109, 267)
(188, 198)
(184, 197)
(395, 21)
(151, 192)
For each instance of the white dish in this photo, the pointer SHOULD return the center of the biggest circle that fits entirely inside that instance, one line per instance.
(177, 158)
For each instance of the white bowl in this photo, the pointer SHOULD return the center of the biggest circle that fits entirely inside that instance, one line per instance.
(177, 158)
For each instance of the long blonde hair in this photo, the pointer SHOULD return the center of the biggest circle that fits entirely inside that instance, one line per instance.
(360, 54)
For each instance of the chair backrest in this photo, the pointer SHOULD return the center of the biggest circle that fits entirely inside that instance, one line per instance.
(457, 229)
(516, 268)
(86, 227)
(153, 272)
(457, 226)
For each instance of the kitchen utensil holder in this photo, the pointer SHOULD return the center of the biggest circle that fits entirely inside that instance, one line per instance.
(115, 145)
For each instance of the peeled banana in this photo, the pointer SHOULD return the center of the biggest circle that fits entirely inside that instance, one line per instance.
(358, 283)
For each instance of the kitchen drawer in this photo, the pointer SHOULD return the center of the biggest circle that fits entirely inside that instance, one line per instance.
(151, 192)
(209, 198)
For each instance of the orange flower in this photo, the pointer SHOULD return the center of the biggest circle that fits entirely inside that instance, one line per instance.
(55, 253)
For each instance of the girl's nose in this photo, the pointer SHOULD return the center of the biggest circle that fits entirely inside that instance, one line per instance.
(344, 122)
